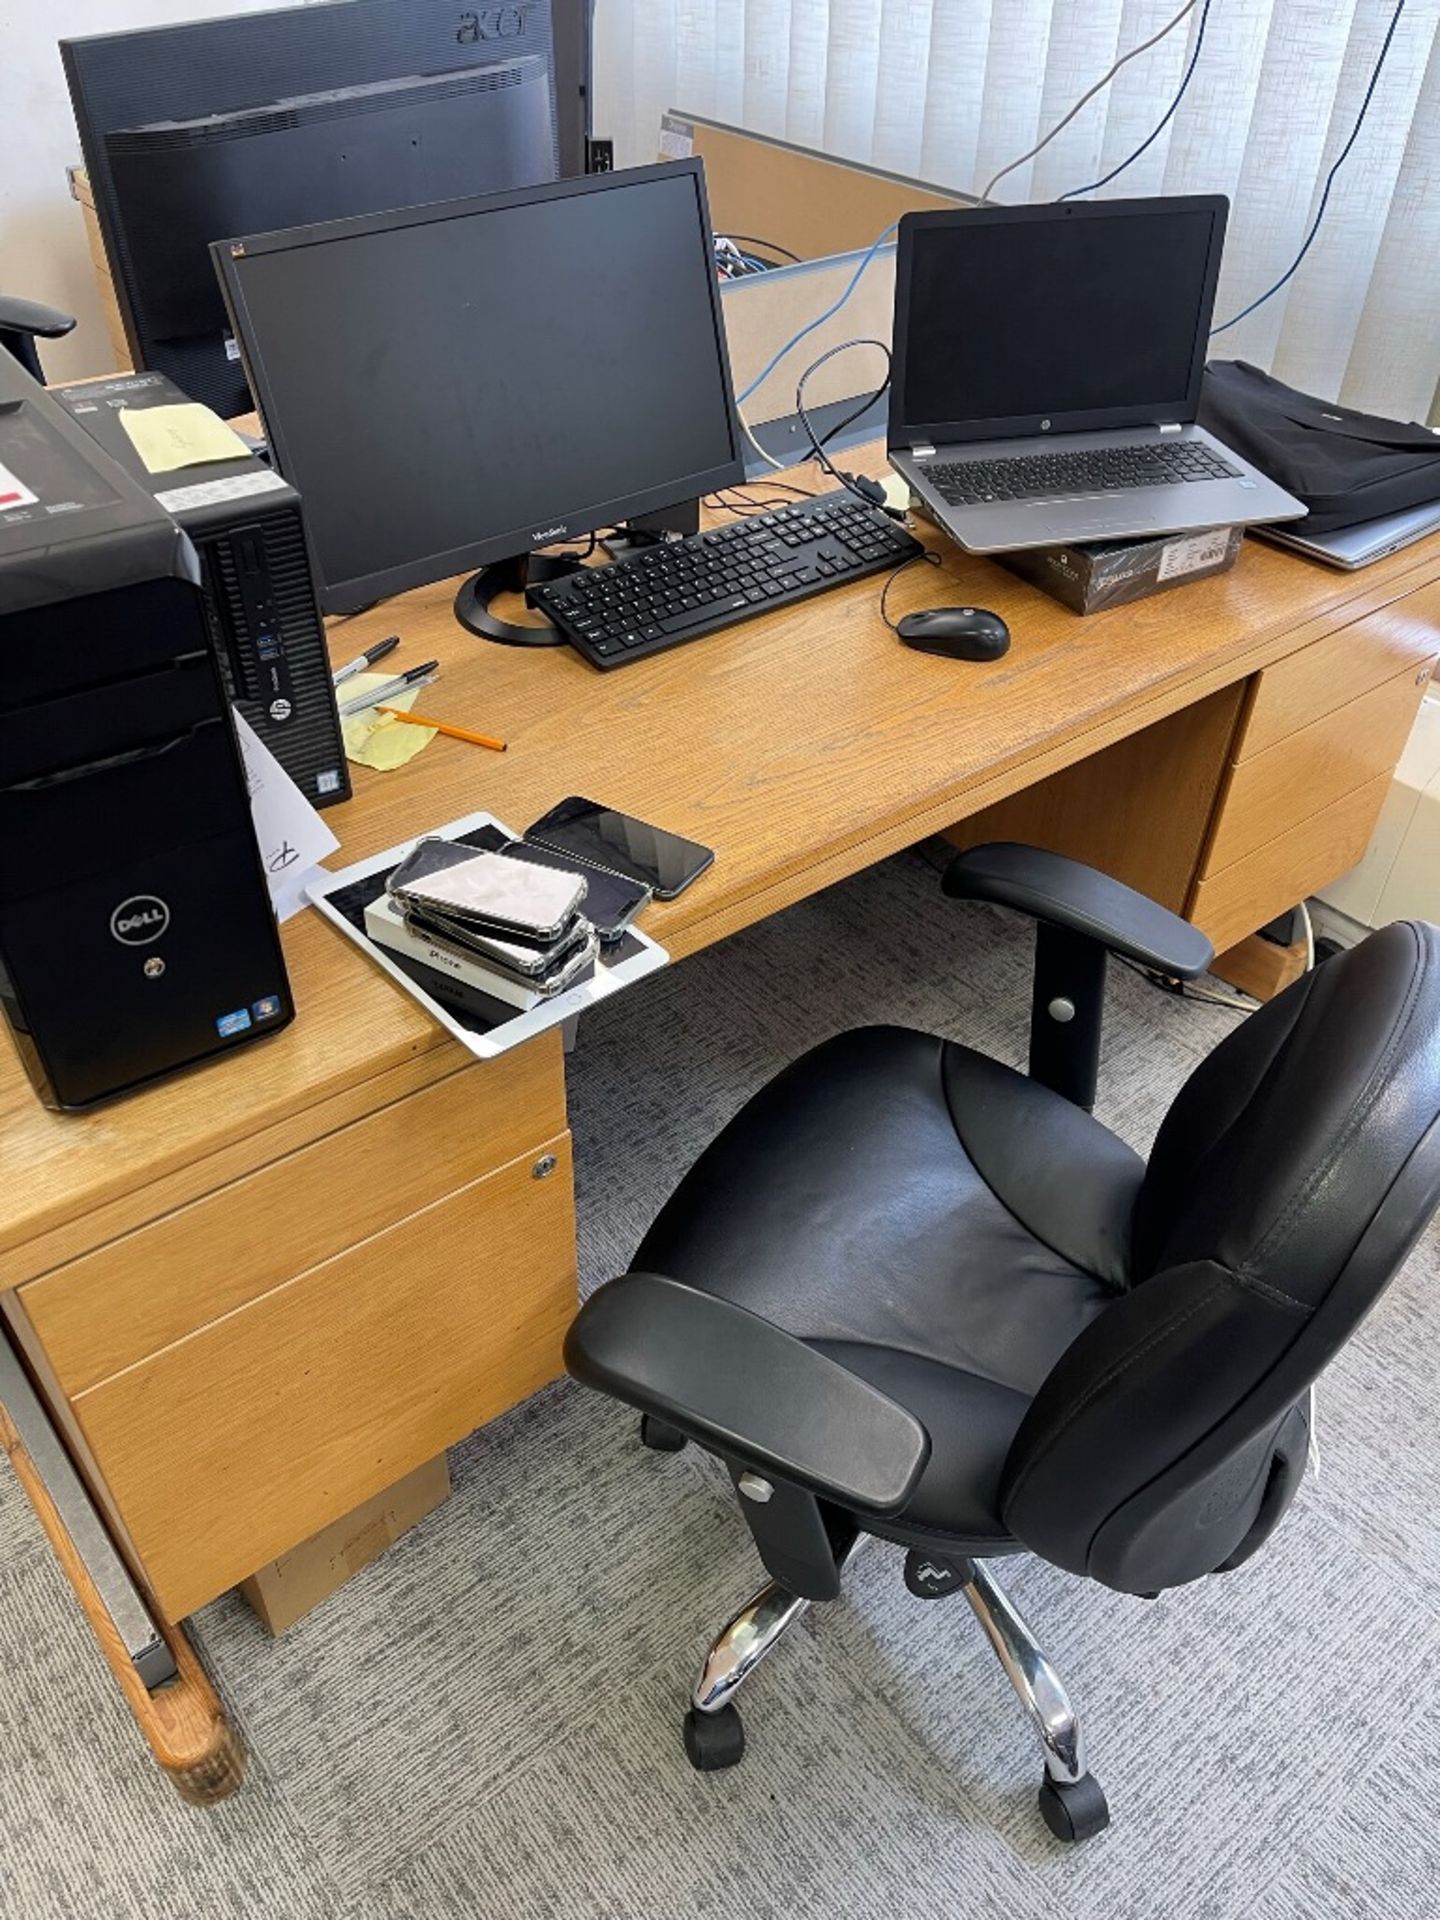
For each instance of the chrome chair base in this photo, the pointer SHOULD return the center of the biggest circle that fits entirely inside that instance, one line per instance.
(1071, 1800)
(748, 1639)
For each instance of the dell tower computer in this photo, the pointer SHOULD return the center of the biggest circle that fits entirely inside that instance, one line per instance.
(136, 933)
(259, 597)
(207, 129)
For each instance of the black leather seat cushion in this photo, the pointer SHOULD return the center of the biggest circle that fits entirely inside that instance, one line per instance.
(925, 1216)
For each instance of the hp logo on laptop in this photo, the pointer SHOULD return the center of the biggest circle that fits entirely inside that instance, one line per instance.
(140, 919)
(1044, 426)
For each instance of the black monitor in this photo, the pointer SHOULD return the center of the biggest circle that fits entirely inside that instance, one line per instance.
(196, 132)
(453, 386)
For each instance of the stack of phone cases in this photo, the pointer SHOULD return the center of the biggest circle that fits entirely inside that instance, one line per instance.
(487, 925)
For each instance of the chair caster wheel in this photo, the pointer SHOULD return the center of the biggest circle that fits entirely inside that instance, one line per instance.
(714, 1740)
(658, 1437)
(1074, 1812)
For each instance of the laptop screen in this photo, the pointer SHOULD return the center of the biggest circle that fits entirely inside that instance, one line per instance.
(1069, 316)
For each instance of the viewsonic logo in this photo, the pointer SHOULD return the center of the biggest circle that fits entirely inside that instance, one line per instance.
(491, 23)
(139, 919)
(545, 535)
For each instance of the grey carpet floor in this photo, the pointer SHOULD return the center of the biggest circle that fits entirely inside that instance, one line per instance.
(486, 1722)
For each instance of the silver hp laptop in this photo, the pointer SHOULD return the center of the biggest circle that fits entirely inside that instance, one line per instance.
(1047, 367)
(1353, 547)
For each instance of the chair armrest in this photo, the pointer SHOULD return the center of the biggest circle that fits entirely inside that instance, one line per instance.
(746, 1389)
(28, 316)
(1062, 892)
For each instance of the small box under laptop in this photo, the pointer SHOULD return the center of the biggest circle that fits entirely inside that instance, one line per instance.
(1095, 575)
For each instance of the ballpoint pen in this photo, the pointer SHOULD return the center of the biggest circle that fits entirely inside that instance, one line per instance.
(388, 689)
(366, 659)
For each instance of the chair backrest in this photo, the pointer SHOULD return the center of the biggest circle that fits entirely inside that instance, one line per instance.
(1291, 1177)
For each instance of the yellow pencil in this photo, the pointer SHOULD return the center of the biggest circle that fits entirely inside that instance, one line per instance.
(444, 726)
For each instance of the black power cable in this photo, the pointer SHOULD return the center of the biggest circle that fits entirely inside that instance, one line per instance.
(1161, 124)
(1343, 156)
(749, 240)
(864, 488)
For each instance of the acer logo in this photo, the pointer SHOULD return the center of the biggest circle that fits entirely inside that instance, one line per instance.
(490, 23)
(139, 919)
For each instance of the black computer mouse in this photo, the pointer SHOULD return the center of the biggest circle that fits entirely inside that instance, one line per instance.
(956, 633)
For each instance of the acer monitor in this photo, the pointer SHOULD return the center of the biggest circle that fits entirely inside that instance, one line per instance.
(195, 132)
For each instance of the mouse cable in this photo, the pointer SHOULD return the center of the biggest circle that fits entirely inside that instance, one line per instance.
(1164, 119)
(932, 559)
(1343, 156)
(1086, 98)
(864, 488)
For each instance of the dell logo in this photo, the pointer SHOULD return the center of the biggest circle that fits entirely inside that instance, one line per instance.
(139, 919)
(490, 23)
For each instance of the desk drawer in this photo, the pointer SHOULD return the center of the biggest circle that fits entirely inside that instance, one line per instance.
(1272, 792)
(149, 1288)
(233, 1445)
(1232, 903)
(1330, 673)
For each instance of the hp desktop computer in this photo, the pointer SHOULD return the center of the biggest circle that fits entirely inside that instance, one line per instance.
(265, 627)
(136, 933)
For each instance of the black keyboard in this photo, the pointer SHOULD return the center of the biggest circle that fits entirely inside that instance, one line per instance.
(666, 595)
(1055, 476)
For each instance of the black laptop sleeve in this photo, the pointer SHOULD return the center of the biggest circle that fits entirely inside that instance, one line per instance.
(1347, 467)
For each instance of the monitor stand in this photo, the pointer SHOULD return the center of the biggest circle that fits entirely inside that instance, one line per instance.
(473, 601)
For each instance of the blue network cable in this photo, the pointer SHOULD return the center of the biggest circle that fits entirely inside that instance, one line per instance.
(828, 314)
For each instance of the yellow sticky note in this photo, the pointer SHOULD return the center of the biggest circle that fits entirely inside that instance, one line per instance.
(897, 491)
(181, 436)
(373, 739)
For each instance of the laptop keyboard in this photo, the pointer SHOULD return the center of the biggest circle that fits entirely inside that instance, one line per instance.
(1056, 476)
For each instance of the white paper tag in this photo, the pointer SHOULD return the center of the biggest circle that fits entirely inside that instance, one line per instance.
(677, 137)
(205, 493)
(232, 347)
(292, 837)
(14, 492)
(1189, 556)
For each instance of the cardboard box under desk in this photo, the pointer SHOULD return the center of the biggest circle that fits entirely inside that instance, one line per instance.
(1092, 576)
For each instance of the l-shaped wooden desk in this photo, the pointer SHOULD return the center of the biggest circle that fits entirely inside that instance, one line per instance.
(213, 1282)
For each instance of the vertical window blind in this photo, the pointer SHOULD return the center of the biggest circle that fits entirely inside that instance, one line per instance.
(953, 90)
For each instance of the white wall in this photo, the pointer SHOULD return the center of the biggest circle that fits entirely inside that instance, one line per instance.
(43, 255)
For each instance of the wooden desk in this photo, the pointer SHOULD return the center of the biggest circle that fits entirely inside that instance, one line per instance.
(211, 1279)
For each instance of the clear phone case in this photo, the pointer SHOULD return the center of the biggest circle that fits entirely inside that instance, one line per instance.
(499, 896)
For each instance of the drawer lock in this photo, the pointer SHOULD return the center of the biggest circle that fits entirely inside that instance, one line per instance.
(544, 1167)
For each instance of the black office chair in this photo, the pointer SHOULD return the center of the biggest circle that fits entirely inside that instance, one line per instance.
(909, 1292)
(22, 322)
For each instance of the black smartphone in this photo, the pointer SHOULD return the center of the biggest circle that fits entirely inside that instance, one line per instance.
(612, 900)
(664, 862)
